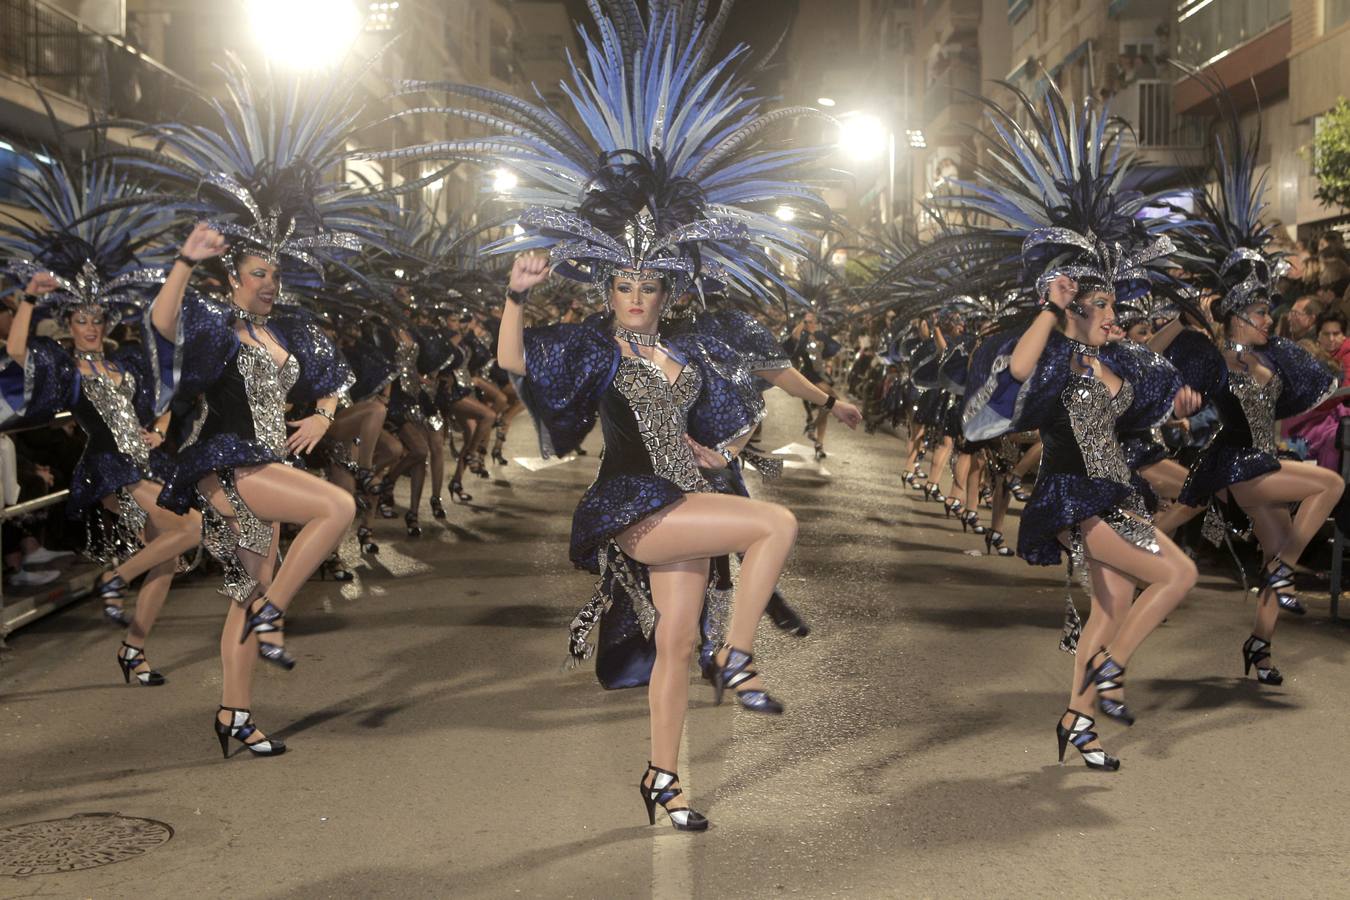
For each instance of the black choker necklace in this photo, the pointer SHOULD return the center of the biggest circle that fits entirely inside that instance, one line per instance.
(1084, 349)
(1239, 348)
(89, 355)
(254, 318)
(636, 337)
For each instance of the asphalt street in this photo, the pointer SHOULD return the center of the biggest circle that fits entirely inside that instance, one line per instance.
(438, 748)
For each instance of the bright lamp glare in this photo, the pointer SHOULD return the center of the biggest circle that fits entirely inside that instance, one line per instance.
(305, 34)
(785, 213)
(862, 137)
(825, 101)
(504, 181)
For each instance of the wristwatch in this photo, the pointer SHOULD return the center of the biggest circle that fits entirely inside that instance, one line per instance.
(727, 454)
(187, 261)
(517, 296)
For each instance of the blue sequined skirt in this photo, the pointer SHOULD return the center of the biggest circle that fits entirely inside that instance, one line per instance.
(1059, 502)
(929, 411)
(193, 463)
(1220, 466)
(1141, 452)
(97, 475)
(612, 505)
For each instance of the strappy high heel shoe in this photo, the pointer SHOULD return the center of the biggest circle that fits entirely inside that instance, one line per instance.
(1080, 734)
(457, 494)
(366, 538)
(365, 481)
(498, 443)
(129, 659)
(241, 728)
(1108, 675)
(735, 672)
(785, 617)
(909, 479)
(1256, 651)
(333, 567)
(410, 523)
(932, 492)
(268, 619)
(386, 507)
(993, 544)
(476, 467)
(820, 451)
(109, 589)
(971, 519)
(663, 789)
(952, 507)
(1015, 485)
(437, 508)
(1279, 580)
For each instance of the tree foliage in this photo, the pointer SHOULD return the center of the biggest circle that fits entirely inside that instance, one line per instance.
(1331, 156)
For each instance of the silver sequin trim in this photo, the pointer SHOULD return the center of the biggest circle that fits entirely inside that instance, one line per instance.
(267, 387)
(115, 407)
(224, 543)
(1092, 415)
(660, 409)
(1258, 405)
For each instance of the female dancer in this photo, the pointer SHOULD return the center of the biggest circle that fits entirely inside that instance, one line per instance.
(1054, 208)
(809, 348)
(83, 261)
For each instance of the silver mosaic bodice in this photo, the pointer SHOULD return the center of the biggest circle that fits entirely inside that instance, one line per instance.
(660, 408)
(116, 408)
(812, 349)
(1258, 406)
(1092, 415)
(405, 359)
(267, 387)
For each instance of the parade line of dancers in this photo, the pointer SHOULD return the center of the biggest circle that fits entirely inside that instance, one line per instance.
(289, 345)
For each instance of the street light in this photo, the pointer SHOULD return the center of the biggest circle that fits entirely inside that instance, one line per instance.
(504, 181)
(305, 34)
(862, 136)
(826, 102)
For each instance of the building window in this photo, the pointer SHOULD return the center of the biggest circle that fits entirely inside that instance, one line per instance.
(1209, 28)
(1335, 13)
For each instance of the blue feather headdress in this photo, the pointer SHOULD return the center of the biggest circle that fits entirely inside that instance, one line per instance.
(103, 251)
(668, 174)
(261, 177)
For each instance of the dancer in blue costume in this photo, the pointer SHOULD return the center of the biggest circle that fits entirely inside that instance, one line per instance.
(668, 183)
(85, 262)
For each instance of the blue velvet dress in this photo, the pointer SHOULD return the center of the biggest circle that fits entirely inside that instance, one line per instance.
(576, 376)
(237, 417)
(1244, 447)
(1083, 469)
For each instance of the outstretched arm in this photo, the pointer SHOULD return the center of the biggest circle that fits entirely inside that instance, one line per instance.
(203, 243)
(1031, 344)
(799, 386)
(527, 271)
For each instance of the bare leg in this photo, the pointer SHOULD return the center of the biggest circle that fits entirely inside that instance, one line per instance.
(238, 659)
(677, 592)
(436, 450)
(1111, 595)
(174, 535)
(414, 438)
(940, 458)
(1030, 460)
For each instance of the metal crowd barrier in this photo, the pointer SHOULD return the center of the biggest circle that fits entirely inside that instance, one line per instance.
(14, 614)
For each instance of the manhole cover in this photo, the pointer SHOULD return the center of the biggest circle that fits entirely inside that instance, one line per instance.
(79, 842)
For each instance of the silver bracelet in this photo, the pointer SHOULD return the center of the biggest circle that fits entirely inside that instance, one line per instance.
(320, 411)
(728, 455)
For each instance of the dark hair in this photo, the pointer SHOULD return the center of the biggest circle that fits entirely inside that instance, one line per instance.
(1333, 315)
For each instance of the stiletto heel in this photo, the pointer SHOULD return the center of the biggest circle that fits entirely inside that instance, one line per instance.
(952, 507)
(437, 508)
(663, 789)
(364, 537)
(972, 518)
(785, 617)
(333, 566)
(820, 451)
(1015, 485)
(993, 544)
(129, 658)
(410, 522)
(241, 728)
(1108, 675)
(1254, 652)
(735, 672)
(109, 589)
(1080, 735)
(457, 494)
(1281, 577)
(476, 467)
(932, 492)
(269, 619)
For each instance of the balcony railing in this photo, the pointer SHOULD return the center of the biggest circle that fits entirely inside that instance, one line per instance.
(959, 85)
(58, 54)
(1210, 28)
(1147, 105)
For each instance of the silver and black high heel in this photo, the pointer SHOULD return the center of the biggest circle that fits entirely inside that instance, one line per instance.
(820, 451)
(971, 519)
(785, 617)
(1256, 651)
(437, 508)
(736, 672)
(1107, 675)
(664, 788)
(366, 538)
(1015, 485)
(109, 589)
(993, 544)
(241, 728)
(932, 492)
(1278, 580)
(1080, 734)
(129, 658)
(952, 507)
(410, 522)
(268, 619)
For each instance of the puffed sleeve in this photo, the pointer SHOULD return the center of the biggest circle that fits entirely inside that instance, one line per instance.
(43, 386)
(568, 368)
(1199, 362)
(434, 351)
(372, 367)
(1153, 380)
(323, 370)
(952, 373)
(759, 350)
(998, 404)
(1306, 382)
(204, 337)
(729, 405)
